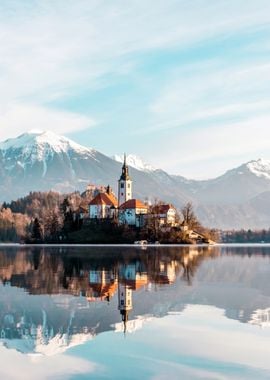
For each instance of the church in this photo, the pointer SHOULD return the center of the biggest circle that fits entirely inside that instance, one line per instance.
(127, 210)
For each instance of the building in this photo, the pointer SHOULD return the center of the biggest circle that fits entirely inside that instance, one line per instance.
(132, 212)
(134, 275)
(81, 213)
(93, 190)
(165, 213)
(103, 284)
(124, 185)
(124, 302)
(104, 205)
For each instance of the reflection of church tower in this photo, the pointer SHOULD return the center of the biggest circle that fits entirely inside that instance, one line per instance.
(124, 185)
(124, 302)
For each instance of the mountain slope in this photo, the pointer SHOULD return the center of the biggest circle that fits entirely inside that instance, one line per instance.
(236, 185)
(44, 161)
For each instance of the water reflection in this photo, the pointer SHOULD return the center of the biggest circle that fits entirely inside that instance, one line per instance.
(55, 298)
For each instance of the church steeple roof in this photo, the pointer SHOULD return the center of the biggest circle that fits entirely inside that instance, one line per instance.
(125, 174)
(124, 314)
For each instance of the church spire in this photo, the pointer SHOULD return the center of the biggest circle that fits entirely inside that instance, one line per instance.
(124, 184)
(124, 302)
(125, 173)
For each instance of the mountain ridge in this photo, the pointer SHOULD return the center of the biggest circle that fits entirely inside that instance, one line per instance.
(42, 160)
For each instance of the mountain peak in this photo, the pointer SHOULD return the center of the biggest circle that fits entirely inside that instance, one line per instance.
(135, 162)
(260, 167)
(42, 142)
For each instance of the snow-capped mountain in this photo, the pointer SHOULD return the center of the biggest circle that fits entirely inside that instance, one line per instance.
(134, 161)
(260, 168)
(41, 144)
(39, 148)
(43, 160)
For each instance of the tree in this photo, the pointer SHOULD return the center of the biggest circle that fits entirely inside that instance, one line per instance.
(67, 215)
(189, 217)
(37, 233)
(52, 225)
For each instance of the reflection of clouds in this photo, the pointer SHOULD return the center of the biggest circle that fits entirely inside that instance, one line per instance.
(40, 367)
(200, 343)
(205, 332)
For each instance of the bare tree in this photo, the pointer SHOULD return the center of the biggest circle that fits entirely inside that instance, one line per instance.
(189, 217)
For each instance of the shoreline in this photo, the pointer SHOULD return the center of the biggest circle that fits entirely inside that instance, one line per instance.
(136, 245)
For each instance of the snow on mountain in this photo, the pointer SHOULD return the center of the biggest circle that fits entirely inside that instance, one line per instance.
(58, 344)
(41, 144)
(132, 325)
(260, 167)
(134, 161)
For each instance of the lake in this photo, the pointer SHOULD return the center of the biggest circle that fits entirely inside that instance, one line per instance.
(135, 313)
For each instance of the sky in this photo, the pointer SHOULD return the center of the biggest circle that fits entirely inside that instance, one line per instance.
(185, 84)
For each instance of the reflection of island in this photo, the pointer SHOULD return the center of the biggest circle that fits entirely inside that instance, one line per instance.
(124, 302)
(95, 275)
(51, 324)
(53, 299)
(261, 317)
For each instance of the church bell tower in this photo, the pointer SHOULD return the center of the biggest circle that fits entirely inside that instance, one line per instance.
(124, 302)
(124, 185)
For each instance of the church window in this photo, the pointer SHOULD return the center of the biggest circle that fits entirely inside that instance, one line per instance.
(129, 185)
(122, 185)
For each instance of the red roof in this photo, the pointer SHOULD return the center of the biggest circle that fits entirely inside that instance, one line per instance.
(133, 203)
(104, 199)
(162, 209)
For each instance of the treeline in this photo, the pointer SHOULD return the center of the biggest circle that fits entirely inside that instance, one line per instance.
(50, 217)
(20, 219)
(246, 236)
(35, 204)
(13, 226)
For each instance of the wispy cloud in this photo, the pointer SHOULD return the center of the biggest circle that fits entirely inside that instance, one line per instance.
(51, 51)
(213, 113)
(18, 118)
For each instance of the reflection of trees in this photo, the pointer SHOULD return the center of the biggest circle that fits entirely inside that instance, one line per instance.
(94, 273)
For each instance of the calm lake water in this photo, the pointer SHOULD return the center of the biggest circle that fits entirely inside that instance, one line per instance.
(133, 313)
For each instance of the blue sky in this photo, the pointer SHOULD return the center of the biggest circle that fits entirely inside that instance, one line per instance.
(184, 84)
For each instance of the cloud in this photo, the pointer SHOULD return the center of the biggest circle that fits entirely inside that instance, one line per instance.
(19, 118)
(52, 51)
(53, 46)
(210, 151)
(218, 110)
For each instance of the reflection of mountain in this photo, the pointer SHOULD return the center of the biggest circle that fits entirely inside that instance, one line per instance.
(50, 325)
(54, 298)
(261, 317)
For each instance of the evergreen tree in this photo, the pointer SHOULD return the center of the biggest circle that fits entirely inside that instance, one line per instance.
(66, 210)
(37, 234)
